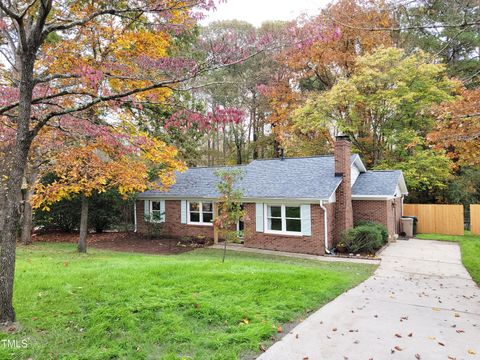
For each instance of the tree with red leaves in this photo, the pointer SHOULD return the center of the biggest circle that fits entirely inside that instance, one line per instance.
(65, 58)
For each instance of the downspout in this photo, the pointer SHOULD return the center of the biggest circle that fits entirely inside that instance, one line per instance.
(135, 216)
(325, 225)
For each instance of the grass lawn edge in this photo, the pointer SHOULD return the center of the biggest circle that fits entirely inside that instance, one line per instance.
(469, 248)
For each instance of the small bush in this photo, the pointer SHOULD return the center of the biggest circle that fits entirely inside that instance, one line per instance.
(380, 227)
(363, 238)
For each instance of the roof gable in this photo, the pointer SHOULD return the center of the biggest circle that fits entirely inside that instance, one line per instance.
(379, 183)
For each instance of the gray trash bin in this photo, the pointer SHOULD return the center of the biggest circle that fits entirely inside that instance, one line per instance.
(407, 226)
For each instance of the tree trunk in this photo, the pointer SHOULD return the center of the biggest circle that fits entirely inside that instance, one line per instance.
(11, 207)
(27, 223)
(11, 215)
(82, 241)
(255, 131)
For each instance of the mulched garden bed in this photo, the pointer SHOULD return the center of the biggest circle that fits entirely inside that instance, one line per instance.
(123, 241)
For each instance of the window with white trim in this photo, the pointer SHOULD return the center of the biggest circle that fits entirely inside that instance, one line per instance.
(284, 219)
(200, 212)
(155, 211)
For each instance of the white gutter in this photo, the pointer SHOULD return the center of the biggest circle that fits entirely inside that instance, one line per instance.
(135, 216)
(325, 225)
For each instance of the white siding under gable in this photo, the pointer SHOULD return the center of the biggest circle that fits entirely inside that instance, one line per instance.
(354, 174)
(398, 192)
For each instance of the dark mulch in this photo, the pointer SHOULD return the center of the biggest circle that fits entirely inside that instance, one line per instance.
(123, 241)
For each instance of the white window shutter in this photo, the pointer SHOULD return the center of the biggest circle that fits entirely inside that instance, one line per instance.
(259, 217)
(162, 209)
(146, 209)
(183, 209)
(306, 220)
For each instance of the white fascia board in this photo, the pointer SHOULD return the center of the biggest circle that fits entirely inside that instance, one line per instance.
(246, 200)
(359, 163)
(282, 200)
(402, 184)
(372, 197)
(332, 198)
(170, 197)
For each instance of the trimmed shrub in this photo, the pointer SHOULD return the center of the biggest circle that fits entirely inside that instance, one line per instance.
(381, 227)
(364, 238)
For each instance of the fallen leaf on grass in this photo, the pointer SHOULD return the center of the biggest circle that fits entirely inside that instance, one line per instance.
(279, 329)
(262, 348)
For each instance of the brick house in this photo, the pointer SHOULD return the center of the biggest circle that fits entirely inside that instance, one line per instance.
(292, 204)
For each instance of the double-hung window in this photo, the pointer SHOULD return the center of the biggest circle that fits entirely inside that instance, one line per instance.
(155, 211)
(200, 213)
(285, 219)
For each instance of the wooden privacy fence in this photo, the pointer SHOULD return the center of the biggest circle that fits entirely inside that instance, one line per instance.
(475, 219)
(437, 219)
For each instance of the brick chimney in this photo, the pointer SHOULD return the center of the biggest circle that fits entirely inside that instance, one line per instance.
(343, 205)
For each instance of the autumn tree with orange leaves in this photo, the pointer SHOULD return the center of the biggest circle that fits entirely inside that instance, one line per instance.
(317, 65)
(62, 58)
(128, 164)
(457, 128)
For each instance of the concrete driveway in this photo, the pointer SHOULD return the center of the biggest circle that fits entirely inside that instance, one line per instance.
(421, 303)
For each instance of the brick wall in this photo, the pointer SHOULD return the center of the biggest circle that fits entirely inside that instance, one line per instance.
(378, 211)
(173, 227)
(382, 211)
(343, 206)
(331, 224)
(313, 244)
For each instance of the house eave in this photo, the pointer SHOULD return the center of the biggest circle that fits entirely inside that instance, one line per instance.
(372, 197)
(244, 199)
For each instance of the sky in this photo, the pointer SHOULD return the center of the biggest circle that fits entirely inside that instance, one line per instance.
(258, 11)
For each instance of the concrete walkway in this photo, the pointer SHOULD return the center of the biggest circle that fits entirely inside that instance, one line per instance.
(421, 303)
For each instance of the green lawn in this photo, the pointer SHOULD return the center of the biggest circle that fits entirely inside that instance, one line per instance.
(108, 305)
(470, 248)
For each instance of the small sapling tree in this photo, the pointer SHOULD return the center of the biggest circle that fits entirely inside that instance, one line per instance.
(230, 210)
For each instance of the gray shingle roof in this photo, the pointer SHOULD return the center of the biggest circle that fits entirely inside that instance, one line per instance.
(195, 182)
(300, 178)
(292, 178)
(377, 183)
